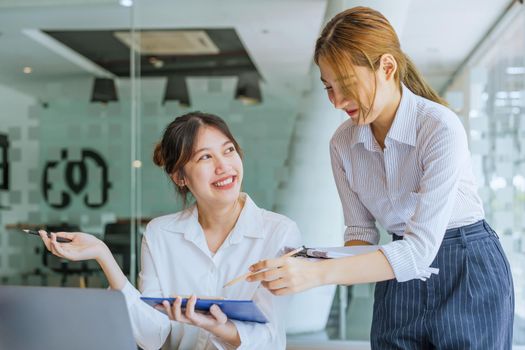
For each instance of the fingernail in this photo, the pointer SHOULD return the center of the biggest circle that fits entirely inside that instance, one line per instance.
(251, 268)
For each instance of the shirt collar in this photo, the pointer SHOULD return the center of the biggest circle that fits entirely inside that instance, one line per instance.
(403, 128)
(249, 223)
(363, 134)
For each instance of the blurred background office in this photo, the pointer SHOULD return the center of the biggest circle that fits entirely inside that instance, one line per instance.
(87, 86)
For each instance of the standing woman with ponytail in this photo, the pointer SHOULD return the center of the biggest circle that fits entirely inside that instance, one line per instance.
(402, 160)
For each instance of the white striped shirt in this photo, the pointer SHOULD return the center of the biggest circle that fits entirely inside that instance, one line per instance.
(418, 186)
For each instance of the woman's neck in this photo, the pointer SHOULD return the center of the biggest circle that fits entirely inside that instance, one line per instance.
(384, 121)
(218, 221)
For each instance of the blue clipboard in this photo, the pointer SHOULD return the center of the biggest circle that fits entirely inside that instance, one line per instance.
(241, 310)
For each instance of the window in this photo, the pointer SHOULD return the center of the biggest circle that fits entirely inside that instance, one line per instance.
(493, 86)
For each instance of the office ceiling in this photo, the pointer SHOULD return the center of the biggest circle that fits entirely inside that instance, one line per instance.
(161, 52)
(438, 34)
(278, 35)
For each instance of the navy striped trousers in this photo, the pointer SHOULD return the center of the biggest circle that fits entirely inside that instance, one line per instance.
(468, 305)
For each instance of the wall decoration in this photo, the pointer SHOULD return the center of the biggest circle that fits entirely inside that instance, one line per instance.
(77, 175)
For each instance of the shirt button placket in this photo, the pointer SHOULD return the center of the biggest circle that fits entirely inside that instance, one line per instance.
(388, 177)
(211, 278)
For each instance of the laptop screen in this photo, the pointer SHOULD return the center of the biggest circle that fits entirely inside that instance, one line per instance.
(63, 318)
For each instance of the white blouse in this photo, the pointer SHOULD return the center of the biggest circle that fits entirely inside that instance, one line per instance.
(176, 261)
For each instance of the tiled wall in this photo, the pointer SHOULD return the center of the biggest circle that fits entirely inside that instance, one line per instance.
(18, 119)
(39, 134)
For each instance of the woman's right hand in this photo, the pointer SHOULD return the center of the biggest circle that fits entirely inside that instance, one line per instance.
(83, 246)
(286, 275)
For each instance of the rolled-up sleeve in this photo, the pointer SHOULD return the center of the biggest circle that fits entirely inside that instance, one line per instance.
(359, 222)
(442, 160)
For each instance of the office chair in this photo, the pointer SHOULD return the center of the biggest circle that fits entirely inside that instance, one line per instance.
(117, 238)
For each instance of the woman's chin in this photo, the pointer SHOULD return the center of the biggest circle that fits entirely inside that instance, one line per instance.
(226, 196)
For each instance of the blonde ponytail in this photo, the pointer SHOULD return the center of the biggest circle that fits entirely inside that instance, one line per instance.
(417, 84)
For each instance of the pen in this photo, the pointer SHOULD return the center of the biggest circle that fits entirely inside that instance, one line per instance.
(243, 277)
(59, 239)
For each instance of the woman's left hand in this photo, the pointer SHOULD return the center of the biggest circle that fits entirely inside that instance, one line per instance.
(216, 318)
(287, 275)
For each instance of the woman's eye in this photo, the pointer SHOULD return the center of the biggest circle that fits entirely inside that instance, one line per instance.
(204, 157)
(230, 149)
(328, 88)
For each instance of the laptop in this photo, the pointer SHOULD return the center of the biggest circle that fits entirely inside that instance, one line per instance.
(47, 318)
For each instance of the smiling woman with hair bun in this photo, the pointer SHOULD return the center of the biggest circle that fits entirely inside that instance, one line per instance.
(199, 249)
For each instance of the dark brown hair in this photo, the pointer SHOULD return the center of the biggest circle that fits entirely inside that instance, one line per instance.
(359, 37)
(178, 143)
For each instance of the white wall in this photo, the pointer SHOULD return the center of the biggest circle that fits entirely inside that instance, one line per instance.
(308, 195)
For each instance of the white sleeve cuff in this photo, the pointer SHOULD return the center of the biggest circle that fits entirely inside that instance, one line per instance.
(222, 345)
(244, 330)
(370, 235)
(131, 294)
(247, 331)
(403, 263)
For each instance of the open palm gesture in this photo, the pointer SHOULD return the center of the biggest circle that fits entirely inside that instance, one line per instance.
(83, 246)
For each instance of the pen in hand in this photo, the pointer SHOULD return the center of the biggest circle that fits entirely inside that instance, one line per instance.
(243, 277)
(59, 239)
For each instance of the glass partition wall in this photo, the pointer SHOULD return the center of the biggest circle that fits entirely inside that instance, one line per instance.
(87, 89)
(491, 91)
(65, 134)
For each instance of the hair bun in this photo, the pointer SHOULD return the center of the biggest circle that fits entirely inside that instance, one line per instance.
(158, 159)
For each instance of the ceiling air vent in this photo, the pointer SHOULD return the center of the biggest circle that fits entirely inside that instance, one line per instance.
(180, 42)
